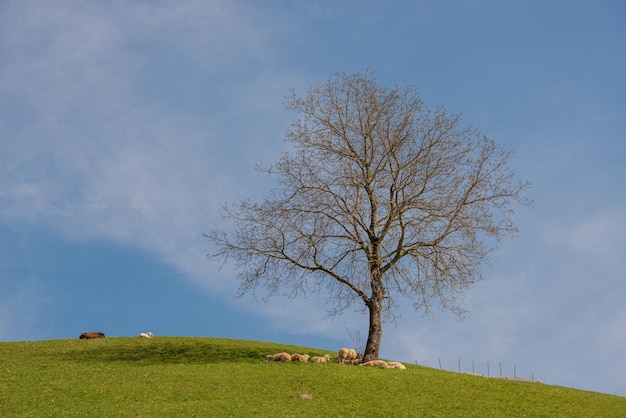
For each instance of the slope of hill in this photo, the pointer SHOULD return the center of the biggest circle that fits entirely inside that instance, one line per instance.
(180, 376)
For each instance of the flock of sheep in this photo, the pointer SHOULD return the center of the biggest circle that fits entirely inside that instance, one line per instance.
(344, 356)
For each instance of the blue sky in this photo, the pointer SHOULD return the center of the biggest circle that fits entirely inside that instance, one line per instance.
(125, 126)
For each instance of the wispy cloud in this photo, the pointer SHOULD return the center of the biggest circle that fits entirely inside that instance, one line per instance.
(100, 154)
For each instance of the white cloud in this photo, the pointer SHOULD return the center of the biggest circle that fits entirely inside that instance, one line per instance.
(98, 156)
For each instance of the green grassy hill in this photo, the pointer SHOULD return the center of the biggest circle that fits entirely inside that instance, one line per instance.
(175, 376)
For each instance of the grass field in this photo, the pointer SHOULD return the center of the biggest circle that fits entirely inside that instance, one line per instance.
(210, 377)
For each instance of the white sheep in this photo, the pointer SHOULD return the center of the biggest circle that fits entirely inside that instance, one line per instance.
(348, 355)
(146, 335)
(302, 358)
(278, 357)
(396, 365)
(321, 360)
(375, 363)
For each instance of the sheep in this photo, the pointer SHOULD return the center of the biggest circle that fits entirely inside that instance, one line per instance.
(376, 363)
(358, 359)
(321, 360)
(89, 335)
(348, 355)
(146, 335)
(344, 354)
(279, 357)
(302, 358)
(396, 365)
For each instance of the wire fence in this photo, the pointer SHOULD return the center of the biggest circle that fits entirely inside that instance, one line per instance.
(487, 369)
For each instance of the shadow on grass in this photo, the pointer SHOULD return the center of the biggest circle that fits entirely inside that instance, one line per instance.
(165, 350)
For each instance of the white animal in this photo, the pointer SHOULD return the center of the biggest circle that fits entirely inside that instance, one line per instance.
(302, 358)
(278, 357)
(321, 360)
(396, 365)
(376, 363)
(348, 355)
(146, 335)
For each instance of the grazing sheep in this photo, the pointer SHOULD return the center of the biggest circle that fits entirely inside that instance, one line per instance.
(396, 365)
(89, 335)
(321, 360)
(376, 363)
(348, 355)
(302, 358)
(278, 357)
(146, 335)
(344, 355)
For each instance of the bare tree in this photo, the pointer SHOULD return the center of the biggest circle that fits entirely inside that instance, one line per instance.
(379, 199)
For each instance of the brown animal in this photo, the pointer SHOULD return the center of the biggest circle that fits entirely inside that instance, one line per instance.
(90, 335)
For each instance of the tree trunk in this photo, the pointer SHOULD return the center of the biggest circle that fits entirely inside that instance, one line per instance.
(375, 302)
(375, 333)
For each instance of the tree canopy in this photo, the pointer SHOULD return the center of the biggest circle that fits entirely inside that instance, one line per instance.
(379, 198)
